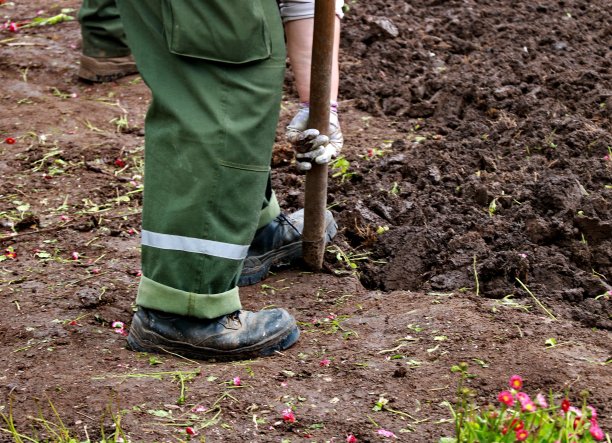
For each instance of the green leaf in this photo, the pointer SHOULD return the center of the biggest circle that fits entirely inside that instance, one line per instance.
(159, 413)
(551, 342)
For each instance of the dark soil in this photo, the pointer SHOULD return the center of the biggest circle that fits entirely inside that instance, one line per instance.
(478, 141)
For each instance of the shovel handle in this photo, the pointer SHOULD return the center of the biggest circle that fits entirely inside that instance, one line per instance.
(315, 198)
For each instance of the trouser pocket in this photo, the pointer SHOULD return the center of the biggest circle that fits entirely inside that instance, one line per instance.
(229, 31)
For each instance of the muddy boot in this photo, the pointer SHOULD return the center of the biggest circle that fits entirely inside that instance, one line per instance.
(100, 70)
(278, 243)
(241, 335)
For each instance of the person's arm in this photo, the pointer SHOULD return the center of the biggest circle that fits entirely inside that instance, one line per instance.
(299, 48)
(298, 16)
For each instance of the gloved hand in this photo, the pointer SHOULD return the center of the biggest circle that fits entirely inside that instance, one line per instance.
(309, 144)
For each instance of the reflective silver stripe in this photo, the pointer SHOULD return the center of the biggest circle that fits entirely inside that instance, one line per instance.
(197, 245)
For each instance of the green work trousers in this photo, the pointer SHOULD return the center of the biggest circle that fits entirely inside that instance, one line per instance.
(215, 69)
(102, 30)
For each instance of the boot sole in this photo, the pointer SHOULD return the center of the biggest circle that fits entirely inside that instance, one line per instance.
(253, 273)
(143, 340)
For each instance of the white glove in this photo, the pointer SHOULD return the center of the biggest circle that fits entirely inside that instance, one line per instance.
(309, 144)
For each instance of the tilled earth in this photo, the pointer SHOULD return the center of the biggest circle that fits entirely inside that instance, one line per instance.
(474, 204)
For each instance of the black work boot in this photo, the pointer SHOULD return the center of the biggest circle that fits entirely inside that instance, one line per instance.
(99, 70)
(237, 336)
(278, 243)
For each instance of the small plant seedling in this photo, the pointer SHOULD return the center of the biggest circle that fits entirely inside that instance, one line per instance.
(341, 167)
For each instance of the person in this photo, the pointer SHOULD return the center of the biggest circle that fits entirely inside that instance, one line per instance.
(211, 222)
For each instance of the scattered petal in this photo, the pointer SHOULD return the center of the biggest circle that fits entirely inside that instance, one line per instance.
(190, 431)
(386, 434)
(236, 381)
(9, 141)
(325, 362)
(351, 439)
(288, 415)
(74, 255)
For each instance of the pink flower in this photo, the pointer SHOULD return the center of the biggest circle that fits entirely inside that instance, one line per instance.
(288, 415)
(521, 435)
(386, 434)
(596, 431)
(522, 397)
(528, 406)
(576, 411)
(541, 400)
(236, 381)
(593, 412)
(351, 439)
(324, 362)
(506, 398)
(516, 382)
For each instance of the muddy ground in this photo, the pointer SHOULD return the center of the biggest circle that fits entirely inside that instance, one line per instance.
(475, 215)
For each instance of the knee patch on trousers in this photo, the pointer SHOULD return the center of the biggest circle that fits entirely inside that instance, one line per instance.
(301, 9)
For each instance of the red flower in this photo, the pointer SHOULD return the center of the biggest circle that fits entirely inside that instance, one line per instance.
(506, 398)
(521, 435)
(565, 405)
(9, 141)
(517, 424)
(288, 415)
(120, 162)
(516, 382)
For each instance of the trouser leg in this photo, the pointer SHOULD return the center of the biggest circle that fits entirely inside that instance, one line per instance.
(102, 29)
(209, 132)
